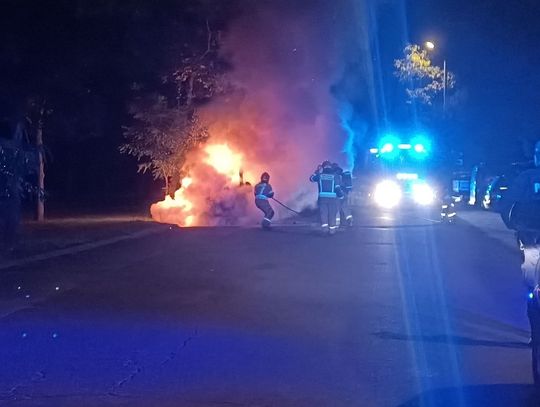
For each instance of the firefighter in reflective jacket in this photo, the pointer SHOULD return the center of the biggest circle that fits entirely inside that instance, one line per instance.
(263, 192)
(346, 186)
(329, 193)
(344, 216)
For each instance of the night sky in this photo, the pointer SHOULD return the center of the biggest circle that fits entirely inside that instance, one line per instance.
(492, 46)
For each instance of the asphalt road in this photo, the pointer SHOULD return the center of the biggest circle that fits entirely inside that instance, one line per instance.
(397, 311)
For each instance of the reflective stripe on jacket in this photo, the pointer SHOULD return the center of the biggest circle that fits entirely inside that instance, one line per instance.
(263, 191)
(328, 184)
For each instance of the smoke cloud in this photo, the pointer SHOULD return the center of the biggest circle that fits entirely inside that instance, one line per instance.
(283, 116)
(286, 57)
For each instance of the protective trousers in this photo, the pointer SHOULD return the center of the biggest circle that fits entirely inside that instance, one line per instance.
(266, 208)
(533, 312)
(328, 208)
(345, 214)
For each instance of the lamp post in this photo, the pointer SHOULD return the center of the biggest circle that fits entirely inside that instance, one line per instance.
(430, 46)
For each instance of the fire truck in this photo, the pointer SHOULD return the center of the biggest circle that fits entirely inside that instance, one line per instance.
(405, 172)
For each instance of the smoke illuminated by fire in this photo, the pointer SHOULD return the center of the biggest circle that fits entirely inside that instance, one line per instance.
(282, 116)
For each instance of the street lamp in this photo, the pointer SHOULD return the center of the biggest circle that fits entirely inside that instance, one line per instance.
(430, 46)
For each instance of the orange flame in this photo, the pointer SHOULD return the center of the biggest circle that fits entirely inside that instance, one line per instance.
(213, 186)
(178, 208)
(224, 161)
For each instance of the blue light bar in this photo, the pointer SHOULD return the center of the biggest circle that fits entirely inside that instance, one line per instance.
(388, 147)
(421, 147)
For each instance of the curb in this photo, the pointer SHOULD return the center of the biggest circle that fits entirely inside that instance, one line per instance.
(76, 249)
(492, 227)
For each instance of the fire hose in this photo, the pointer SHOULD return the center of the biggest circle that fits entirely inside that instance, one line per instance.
(286, 207)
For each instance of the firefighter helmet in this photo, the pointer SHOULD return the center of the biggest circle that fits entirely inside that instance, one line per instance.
(265, 177)
(326, 164)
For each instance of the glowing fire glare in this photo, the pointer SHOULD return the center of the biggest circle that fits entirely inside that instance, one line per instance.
(175, 210)
(224, 161)
(213, 190)
(186, 182)
(189, 220)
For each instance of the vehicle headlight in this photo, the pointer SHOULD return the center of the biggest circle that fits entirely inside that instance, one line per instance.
(387, 194)
(423, 194)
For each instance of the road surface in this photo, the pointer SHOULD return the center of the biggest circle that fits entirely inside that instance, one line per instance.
(397, 311)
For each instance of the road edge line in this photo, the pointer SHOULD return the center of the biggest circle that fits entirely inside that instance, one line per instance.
(76, 249)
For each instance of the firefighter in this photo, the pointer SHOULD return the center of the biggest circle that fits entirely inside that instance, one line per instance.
(344, 216)
(346, 186)
(329, 193)
(263, 192)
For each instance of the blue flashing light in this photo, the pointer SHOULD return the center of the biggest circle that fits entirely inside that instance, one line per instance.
(421, 147)
(388, 147)
(531, 296)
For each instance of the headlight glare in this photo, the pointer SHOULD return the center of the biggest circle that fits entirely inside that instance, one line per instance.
(423, 194)
(387, 194)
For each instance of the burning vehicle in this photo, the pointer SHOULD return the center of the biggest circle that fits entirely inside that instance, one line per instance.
(214, 193)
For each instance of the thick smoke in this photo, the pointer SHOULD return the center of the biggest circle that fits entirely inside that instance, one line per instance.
(283, 115)
(284, 118)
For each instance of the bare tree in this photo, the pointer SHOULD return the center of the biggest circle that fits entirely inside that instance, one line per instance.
(199, 76)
